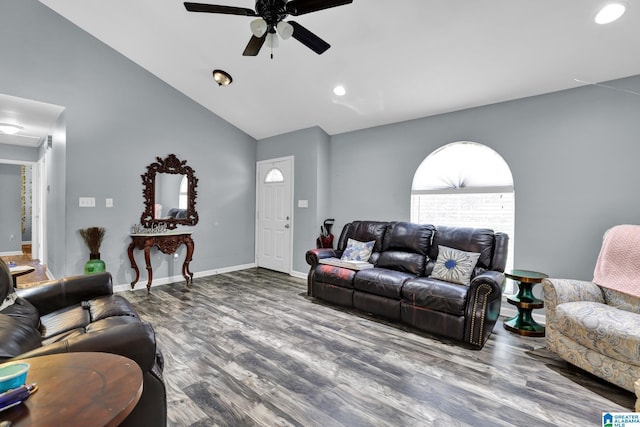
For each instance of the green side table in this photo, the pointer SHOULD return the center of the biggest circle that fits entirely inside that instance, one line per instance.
(525, 302)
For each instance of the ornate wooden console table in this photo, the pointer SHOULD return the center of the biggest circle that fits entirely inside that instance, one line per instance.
(167, 243)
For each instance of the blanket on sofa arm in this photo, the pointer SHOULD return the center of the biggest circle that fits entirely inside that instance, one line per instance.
(618, 264)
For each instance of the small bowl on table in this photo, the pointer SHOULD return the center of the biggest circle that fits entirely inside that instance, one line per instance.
(13, 375)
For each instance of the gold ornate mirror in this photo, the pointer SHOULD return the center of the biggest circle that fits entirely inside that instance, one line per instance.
(169, 190)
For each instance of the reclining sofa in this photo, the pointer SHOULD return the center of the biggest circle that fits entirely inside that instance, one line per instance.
(401, 285)
(81, 314)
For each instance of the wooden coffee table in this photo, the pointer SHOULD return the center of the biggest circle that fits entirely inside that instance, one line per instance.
(20, 270)
(78, 389)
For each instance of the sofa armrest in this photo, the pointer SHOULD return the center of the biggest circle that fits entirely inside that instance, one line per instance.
(57, 294)
(494, 279)
(558, 291)
(484, 300)
(135, 341)
(314, 256)
(16, 337)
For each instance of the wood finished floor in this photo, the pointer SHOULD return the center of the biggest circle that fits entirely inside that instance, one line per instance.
(250, 349)
(39, 275)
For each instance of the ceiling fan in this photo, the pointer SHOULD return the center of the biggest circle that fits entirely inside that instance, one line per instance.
(270, 22)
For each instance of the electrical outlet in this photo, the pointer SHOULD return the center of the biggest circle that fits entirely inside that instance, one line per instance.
(108, 202)
(87, 202)
(12, 238)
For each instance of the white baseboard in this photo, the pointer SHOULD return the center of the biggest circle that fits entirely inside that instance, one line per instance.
(506, 309)
(11, 253)
(298, 274)
(178, 278)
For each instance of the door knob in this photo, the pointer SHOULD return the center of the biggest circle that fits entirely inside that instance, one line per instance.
(286, 226)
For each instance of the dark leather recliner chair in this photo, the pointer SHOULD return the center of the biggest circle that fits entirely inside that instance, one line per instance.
(81, 314)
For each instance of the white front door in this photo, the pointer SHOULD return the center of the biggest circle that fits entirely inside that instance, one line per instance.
(274, 210)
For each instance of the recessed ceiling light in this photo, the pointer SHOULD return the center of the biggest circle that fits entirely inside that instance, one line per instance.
(9, 129)
(610, 13)
(339, 90)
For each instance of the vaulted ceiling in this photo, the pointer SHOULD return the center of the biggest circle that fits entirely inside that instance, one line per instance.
(398, 60)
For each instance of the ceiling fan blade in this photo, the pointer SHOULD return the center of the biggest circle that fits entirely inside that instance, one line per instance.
(212, 8)
(309, 39)
(300, 7)
(254, 45)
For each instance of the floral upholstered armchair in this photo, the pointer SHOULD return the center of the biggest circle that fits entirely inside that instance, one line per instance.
(595, 325)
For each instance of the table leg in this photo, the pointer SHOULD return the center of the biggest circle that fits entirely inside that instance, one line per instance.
(524, 324)
(525, 293)
(525, 302)
(132, 260)
(147, 260)
(186, 273)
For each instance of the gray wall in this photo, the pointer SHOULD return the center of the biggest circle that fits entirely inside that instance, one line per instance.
(10, 221)
(310, 148)
(118, 118)
(17, 152)
(573, 154)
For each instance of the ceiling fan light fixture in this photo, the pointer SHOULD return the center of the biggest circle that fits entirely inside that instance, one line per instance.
(610, 13)
(285, 30)
(222, 77)
(258, 27)
(10, 129)
(272, 40)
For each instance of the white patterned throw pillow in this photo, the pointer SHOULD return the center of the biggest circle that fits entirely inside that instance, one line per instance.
(357, 251)
(454, 265)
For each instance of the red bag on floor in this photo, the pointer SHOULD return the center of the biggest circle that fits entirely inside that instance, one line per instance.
(325, 241)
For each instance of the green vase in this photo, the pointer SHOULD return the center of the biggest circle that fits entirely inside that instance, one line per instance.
(94, 265)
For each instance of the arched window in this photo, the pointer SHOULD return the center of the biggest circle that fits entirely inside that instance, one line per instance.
(184, 188)
(274, 175)
(465, 184)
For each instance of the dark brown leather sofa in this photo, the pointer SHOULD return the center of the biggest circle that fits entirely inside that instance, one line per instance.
(81, 314)
(400, 286)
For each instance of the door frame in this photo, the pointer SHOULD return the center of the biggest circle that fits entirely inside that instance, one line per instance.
(292, 219)
(40, 217)
(38, 233)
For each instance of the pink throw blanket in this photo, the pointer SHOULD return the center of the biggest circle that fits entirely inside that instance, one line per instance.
(618, 265)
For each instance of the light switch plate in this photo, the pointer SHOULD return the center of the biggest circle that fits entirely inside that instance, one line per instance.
(108, 202)
(87, 202)
(303, 203)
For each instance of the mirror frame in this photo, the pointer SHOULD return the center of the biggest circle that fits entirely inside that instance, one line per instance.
(170, 165)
